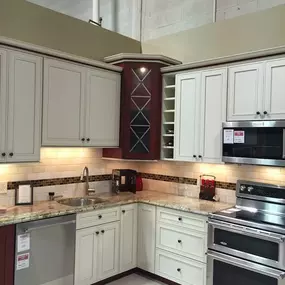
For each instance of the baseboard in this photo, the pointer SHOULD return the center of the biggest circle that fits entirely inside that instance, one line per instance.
(139, 272)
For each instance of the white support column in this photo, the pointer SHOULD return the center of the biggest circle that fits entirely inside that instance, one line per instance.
(114, 16)
(96, 11)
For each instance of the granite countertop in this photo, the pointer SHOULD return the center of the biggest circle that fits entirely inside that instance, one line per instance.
(47, 209)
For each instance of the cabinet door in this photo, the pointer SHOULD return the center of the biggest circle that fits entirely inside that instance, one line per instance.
(108, 261)
(86, 256)
(3, 102)
(146, 237)
(128, 240)
(24, 107)
(213, 114)
(103, 108)
(245, 93)
(63, 103)
(7, 245)
(274, 106)
(187, 112)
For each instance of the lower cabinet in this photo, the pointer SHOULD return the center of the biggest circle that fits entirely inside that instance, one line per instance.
(7, 251)
(97, 253)
(129, 236)
(180, 269)
(146, 237)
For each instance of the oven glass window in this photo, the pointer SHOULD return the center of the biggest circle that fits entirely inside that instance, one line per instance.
(258, 247)
(225, 274)
(266, 143)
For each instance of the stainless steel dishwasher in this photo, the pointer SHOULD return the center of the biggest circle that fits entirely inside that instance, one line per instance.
(45, 251)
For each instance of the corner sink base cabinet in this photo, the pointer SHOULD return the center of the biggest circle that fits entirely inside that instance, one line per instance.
(167, 243)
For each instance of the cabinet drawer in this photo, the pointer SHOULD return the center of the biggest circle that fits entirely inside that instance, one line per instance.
(179, 269)
(98, 217)
(183, 219)
(188, 243)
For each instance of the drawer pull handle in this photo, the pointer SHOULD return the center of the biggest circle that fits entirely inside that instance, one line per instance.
(124, 211)
(102, 231)
(100, 216)
(179, 269)
(97, 233)
(179, 241)
(180, 219)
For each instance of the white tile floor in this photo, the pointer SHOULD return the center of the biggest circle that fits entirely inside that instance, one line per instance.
(135, 279)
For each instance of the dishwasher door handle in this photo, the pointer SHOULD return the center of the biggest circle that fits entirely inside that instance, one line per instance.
(27, 230)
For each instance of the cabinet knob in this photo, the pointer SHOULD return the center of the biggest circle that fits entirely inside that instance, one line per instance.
(100, 216)
(97, 233)
(3, 154)
(180, 219)
(257, 113)
(179, 241)
(200, 156)
(123, 211)
(194, 155)
(179, 269)
(265, 113)
(83, 139)
(102, 231)
(11, 153)
(88, 140)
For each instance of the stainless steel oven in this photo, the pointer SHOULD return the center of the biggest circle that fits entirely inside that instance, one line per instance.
(228, 270)
(254, 142)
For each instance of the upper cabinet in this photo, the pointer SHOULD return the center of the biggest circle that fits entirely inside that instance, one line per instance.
(80, 105)
(20, 104)
(256, 91)
(199, 112)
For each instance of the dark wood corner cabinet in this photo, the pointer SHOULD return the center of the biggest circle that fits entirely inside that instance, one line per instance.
(7, 254)
(141, 99)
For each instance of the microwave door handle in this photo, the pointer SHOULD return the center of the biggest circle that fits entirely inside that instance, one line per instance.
(261, 269)
(243, 230)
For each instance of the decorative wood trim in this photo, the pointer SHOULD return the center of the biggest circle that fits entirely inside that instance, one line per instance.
(138, 57)
(56, 53)
(226, 59)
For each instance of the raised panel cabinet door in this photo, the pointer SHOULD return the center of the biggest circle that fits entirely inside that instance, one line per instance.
(213, 114)
(24, 107)
(63, 104)
(3, 102)
(103, 108)
(86, 256)
(187, 116)
(108, 261)
(146, 237)
(245, 92)
(274, 104)
(128, 240)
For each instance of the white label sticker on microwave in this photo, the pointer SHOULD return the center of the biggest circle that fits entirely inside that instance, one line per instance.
(23, 261)
(23, 242)
(238, 136)
(228, 136)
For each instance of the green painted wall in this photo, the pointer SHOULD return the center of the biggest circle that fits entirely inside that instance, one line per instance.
(31, 23)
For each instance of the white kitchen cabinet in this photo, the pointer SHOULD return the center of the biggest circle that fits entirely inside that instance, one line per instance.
(86, 256)
(213, 114)
(81, 106)
(97, 253)
(187, 110)
(200, 110)
(102, 108)
(20, 105)
(274, 98)
(128, 238)
(63, 103)
(245, 92)
(146, 237)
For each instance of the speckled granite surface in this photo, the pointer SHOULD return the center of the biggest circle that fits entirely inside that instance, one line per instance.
(42, 210)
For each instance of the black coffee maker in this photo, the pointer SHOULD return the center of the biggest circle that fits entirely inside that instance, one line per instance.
(124, 180)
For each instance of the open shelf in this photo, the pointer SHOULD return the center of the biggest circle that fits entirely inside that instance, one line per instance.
(168, 135)
(169, 86)
(169, 111)
(169, 99)
(168, 147)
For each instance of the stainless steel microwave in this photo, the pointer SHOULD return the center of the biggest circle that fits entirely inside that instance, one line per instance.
(254, 142)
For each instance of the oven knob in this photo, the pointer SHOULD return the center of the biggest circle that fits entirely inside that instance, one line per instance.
(242, 188)
(249, 189)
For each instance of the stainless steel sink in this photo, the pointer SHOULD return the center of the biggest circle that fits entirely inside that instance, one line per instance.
(81, 201)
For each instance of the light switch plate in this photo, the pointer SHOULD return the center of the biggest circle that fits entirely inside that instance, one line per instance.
(3, 187)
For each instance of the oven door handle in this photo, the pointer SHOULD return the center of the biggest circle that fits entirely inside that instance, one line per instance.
(258, 268)
(243, 230)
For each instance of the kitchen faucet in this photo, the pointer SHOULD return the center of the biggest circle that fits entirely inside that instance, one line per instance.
(88, 190)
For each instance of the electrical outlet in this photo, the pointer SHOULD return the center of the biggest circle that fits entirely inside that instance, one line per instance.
(3, 187)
